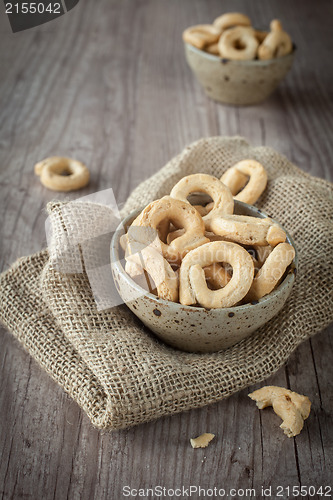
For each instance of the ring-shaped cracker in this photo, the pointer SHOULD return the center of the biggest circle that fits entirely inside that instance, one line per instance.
(204, 183)
(234, 179)
(182, 215)
(192, 282)
(239, 44)
(213, 49)
(272, 271)
(139, 256)
(231, 19)
(246, 230)
(62, 174)
(217, 276)
(257, 180)
(262, 252)
(260, 35)
(276, 44)
(175, 234)
(201, 35)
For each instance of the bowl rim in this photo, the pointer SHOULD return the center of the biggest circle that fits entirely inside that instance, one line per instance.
(252, 62)
(115, 262)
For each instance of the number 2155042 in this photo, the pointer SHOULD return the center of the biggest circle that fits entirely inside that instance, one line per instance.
(32, 8)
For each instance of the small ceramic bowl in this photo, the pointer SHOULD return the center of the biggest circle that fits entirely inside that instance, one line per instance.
(237, 82)
(197, 329)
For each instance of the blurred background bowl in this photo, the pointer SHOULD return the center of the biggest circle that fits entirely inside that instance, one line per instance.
(238, 83)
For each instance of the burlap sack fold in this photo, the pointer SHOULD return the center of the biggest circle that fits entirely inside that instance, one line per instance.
(115, 368)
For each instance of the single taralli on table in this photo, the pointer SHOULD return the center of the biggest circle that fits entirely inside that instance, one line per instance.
(205, 254)
(231, 36)
(60, 173)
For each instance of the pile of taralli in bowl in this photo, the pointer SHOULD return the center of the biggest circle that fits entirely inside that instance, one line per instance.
(206, 255)
(234, 62)
(232, 36)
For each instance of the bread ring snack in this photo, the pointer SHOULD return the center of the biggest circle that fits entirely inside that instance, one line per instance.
(182, 215)
(213, 49)
(260, 35)
(201, 209)
(231, 19)
(234, 179)
(272, 271)
(201, 256)
(257, 182)
(201, 35)
(213, 237)
(239, 44)
(175, 234)
(276, 44)
(133, 269)
(293, 408)
(204, 183)
(262, 252)
(246, 230)
(148, 258)
(217, 276)
(192, 282)
(231, 36)
(62, 174)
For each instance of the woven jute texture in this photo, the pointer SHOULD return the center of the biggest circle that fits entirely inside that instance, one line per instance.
(115, 369)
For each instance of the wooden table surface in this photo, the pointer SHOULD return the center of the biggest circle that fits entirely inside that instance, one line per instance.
(108, 84)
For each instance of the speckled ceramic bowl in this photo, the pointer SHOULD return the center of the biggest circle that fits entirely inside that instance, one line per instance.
(191, 328)
(237, 82)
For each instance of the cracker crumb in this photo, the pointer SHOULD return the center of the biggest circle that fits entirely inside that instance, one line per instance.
(202, 441)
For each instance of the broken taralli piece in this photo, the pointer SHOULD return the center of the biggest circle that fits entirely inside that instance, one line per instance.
(202, 441)
(293, 408)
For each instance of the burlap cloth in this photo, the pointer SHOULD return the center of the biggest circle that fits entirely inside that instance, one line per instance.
(115, 368)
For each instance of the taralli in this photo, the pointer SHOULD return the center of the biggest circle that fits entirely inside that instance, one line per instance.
(231, 19)
(62, 174)
(175, 234)
(260, 35)
(262, 252)
(293, 408)
(276, 44)
(209, 207)
(133, 269)
(201, 35)
(207, 255)
(201, 209)
(213, 49)
(192, 283)
(216, 276)
(157, 267)
(231, 36)
(246, 230)
(257, 180)
(213, 237)
(239, 44)
(202, 441)
(181, 214)
(252, 253)
(272, 271)
(208, 184)
(234, 179)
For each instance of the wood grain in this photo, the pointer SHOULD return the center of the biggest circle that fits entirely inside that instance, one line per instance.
(108, 84)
